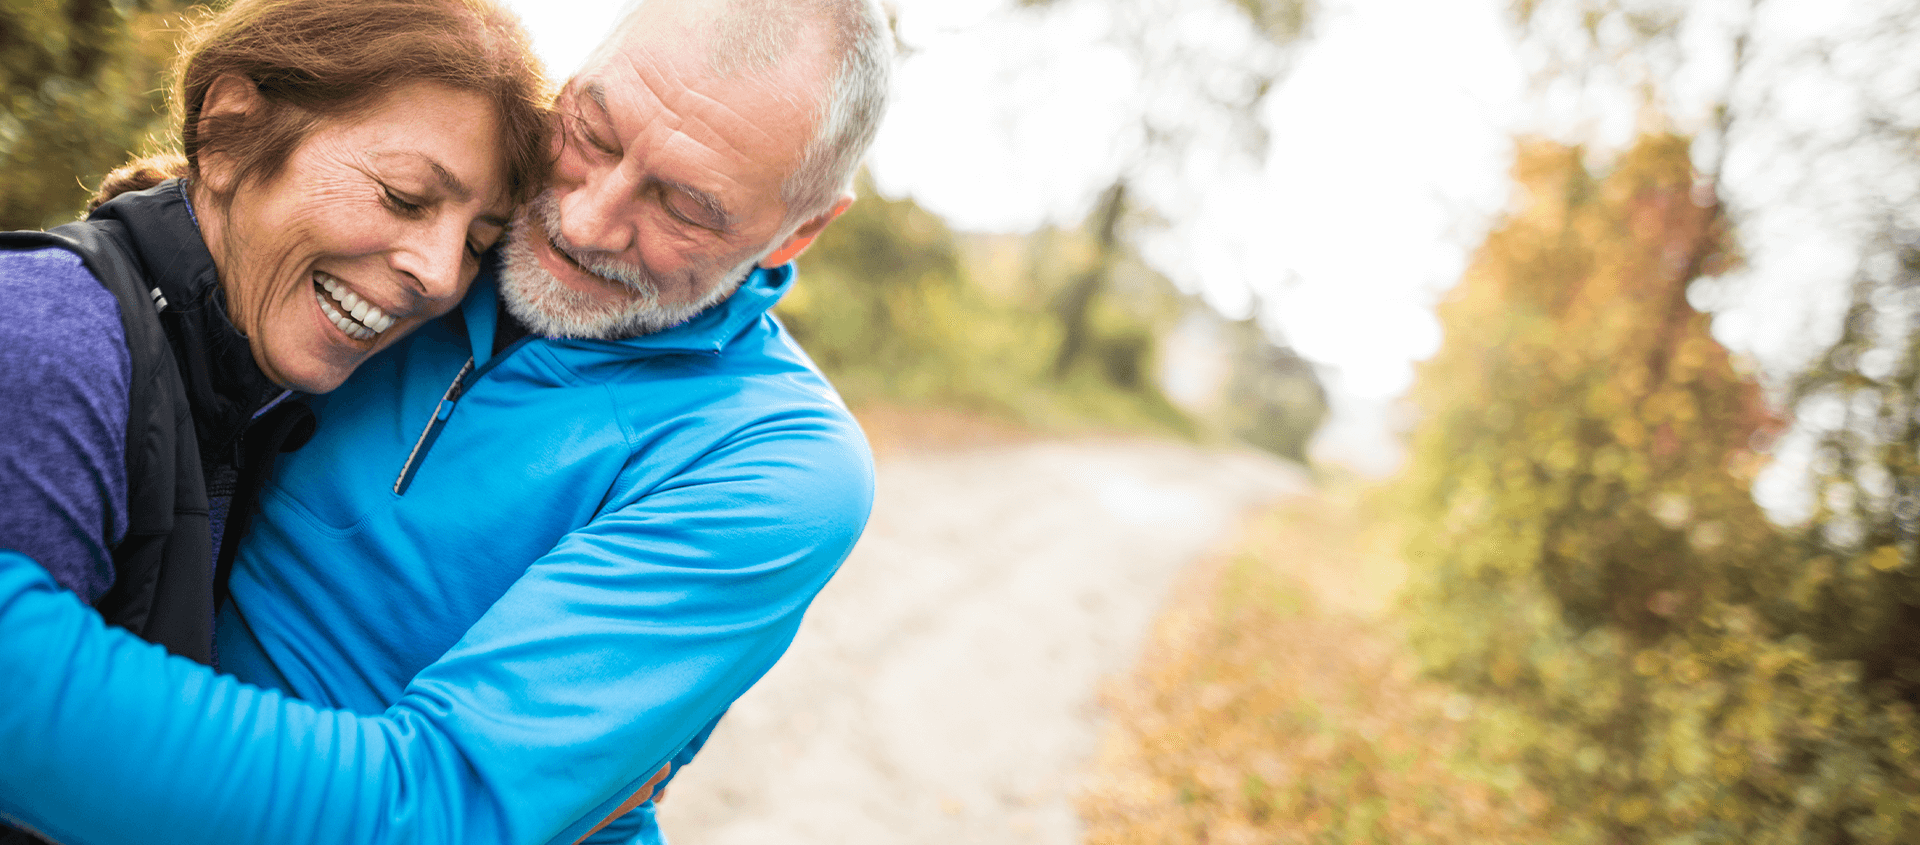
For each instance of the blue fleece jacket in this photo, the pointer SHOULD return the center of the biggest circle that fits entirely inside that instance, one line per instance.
(505, 611)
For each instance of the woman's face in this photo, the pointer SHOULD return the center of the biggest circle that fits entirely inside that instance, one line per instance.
(375, 225)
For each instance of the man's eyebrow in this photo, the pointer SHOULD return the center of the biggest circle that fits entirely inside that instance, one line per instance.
(716, 211)
(719, 218)
(598, 94)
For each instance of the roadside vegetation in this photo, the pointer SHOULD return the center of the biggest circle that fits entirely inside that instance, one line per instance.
(1277, 702)
(1059, 330)
(1601, 638)
(898, 309)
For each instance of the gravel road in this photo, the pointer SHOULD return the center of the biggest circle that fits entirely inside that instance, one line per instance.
(943, 688)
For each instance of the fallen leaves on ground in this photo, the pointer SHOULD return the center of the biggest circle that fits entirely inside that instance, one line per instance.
(1260, 712)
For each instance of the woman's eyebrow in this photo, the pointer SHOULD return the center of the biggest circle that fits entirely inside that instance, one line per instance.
(441, 174)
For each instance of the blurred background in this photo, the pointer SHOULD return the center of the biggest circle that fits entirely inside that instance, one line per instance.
(1579, 337)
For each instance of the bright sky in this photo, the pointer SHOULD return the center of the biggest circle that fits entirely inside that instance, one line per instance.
(1390, 152)
(1389, 133)
(1391, 138)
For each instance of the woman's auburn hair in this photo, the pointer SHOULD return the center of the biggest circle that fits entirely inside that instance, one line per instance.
(318, 59)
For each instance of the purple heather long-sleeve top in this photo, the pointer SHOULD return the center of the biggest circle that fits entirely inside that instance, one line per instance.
(63, 418)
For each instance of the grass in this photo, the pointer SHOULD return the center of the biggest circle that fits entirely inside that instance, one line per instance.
(1276, 702)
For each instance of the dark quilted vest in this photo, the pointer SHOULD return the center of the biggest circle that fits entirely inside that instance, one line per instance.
(194, 394)
(163, 567)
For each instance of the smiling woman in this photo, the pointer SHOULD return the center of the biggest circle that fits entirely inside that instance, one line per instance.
(374, 225)
(346, 163)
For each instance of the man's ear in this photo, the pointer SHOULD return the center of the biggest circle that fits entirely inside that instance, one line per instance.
(803, 237)
(230, 96)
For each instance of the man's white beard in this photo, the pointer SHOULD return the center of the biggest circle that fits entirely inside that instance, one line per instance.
(547, 306)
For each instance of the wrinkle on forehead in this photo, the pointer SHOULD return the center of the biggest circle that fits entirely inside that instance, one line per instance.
(735, 131)
(769, 44)
(751, 37)
(736, 137)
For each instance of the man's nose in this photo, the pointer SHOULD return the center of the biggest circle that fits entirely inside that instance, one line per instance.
(598, 215)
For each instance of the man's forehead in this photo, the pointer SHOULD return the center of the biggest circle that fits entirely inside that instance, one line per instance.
(636, 51)
(707, 41)
(659, 24)
(652, 72)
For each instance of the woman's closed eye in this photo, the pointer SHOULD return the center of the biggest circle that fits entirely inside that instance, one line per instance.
(478, 248)
(402, 204)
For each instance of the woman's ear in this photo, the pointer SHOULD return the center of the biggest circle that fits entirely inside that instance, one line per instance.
(230, 97)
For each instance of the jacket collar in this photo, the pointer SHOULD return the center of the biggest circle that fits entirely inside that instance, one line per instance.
(707, 332)
(224, 385)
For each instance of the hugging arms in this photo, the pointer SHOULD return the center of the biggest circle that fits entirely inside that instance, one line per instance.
(534, 549)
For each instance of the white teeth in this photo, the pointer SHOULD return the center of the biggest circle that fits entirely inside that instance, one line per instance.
(341, 321)
(355, 317)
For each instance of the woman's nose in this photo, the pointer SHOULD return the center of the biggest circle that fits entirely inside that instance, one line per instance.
(438, 263)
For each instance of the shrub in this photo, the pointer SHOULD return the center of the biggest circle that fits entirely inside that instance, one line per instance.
(1586, 555)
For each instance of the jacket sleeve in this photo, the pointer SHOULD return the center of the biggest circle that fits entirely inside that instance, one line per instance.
(605, 659)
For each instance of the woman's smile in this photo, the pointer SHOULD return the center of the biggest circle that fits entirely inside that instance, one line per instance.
(375, 225)
(353, 316)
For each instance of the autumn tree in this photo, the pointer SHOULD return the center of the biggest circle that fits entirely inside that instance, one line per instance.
(85, 84)
(1588, 559)
(1202, 75)
(1859, 592)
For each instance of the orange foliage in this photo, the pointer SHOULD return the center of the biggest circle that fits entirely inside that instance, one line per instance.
(1258, 716)
(1585, 552)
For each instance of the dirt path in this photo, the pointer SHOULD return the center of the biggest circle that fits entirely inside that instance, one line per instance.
(943, 688)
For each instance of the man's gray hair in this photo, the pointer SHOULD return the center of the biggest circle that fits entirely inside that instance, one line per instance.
(753, 36)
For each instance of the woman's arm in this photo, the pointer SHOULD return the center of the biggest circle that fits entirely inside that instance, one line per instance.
(63, 418)
(109, 739)
(599, 665)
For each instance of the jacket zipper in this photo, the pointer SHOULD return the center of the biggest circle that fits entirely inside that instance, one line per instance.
(432, 432)
(462, 382)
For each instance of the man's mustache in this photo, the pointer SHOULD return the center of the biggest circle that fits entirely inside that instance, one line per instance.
(545, 211)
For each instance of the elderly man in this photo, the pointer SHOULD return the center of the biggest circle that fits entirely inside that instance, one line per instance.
(543, 545)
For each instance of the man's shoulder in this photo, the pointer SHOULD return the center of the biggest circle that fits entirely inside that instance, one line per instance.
(758, 405)
(757, 372)
(760, 392)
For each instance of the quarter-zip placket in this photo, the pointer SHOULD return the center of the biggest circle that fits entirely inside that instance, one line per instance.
(462, 382)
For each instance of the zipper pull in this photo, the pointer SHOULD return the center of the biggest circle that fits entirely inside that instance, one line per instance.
(432, 432)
